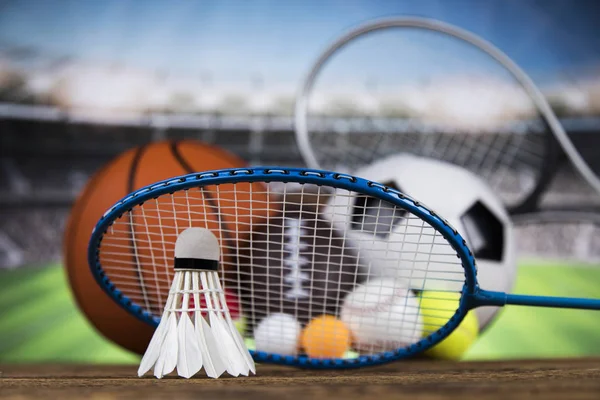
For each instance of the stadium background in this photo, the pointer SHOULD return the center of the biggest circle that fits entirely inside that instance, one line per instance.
(82, 81)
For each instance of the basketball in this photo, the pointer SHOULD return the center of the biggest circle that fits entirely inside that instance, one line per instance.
(130, 171)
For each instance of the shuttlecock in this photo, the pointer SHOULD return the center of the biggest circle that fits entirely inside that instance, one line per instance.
(189, 343)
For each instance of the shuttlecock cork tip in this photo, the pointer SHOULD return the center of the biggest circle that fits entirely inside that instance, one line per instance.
(196, 248)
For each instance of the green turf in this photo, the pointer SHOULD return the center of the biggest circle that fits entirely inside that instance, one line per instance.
(535, 332)
(40, 322)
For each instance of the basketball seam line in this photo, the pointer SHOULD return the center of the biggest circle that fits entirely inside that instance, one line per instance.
(130, 187)
(211, 202)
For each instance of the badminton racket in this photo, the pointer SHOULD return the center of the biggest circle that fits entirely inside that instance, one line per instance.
(421, 86)
(298, 244)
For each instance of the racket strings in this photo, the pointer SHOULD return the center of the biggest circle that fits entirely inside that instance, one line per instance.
(511, 162)
(300, 250)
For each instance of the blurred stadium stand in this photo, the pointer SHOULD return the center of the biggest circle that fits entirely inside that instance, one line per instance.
(555, 239)
(46, 156)
(49, 147)
(46, 159)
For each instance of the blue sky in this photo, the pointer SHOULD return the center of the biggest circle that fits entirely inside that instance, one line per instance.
(280, 39)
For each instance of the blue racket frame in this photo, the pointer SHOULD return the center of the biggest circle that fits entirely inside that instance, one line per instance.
(468, 300)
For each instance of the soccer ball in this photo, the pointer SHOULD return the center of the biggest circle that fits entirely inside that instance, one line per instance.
(393, 245)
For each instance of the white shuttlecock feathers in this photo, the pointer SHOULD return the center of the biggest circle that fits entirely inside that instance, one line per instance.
(188, 342)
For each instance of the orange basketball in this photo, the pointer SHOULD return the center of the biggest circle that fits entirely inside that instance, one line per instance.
(130, 171)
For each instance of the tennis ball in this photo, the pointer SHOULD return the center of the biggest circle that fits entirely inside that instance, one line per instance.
(350, 354)
(278, 333)
(436, 309)
(240, 325)
(325, 337)
(249, 342)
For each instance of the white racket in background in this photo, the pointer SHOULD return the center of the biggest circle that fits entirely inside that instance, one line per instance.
(432, 89)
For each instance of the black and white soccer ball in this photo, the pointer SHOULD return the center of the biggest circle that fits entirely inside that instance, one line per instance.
(391, 244)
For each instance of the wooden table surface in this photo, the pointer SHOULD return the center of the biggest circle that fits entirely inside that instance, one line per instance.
(564, 379)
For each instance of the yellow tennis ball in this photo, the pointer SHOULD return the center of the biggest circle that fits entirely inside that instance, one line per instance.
(250, 344)
(350, 354)
(436, 309)
(325, 337)
(240, 324)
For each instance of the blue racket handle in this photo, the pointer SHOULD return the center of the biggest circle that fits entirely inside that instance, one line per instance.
(490, 298)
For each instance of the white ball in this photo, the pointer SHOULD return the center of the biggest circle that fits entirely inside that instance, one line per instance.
(402, 248)
(383, 315)
(279, 334)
